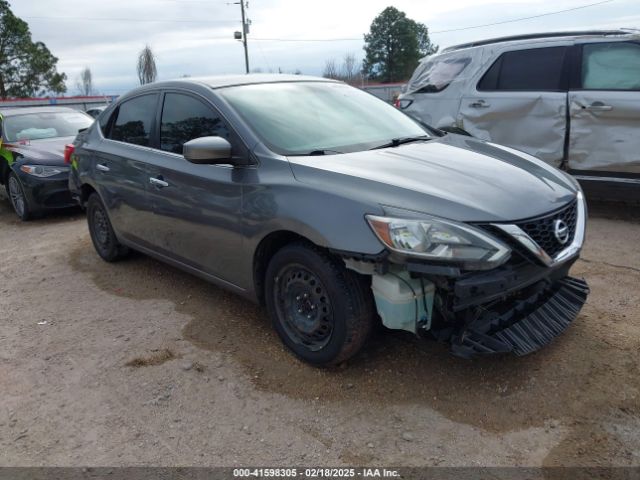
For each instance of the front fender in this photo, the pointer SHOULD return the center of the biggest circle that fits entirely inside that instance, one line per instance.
(326, 219)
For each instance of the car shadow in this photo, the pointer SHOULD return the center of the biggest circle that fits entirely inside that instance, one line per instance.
(8, 216)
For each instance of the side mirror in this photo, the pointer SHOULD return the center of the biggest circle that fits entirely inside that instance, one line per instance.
(207, 151)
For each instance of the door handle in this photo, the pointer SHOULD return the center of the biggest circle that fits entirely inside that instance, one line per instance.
(102, 167)
(598, 107)
(479, 104)
(158, 182)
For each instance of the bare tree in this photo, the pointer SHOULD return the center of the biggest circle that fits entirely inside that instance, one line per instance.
(330, 69)
(348, 72)
(350, 67)
(84, 84)
(147, 71)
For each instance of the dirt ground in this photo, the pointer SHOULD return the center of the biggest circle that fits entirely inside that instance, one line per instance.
(137, 363)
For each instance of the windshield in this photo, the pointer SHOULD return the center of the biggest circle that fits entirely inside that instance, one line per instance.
(298, 118)
(36, 126)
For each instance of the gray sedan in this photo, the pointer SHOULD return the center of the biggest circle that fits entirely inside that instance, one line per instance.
(335, 210)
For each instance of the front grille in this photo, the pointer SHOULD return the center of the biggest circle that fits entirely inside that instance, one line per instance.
(542, 229)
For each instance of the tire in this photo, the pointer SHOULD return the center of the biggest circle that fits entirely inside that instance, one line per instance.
(322, 311)
(17, 198)
(102, 234)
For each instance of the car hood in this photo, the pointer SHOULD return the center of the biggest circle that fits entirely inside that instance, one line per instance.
(49, 151)
(454, 176)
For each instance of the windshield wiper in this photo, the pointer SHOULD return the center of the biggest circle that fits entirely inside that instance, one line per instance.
(395, 142)
(314, 153)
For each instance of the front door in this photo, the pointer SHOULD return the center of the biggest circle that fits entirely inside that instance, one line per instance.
(605, 110)
(521, 102)
(197, 208)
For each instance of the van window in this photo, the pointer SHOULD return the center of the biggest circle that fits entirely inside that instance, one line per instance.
(611, 66)
(537, 69)
(436, 74)
(134, 119)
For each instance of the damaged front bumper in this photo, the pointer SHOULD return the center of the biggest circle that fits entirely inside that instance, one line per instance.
(529, 325)
(517, 307)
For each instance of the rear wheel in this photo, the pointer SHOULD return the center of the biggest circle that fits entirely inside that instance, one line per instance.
(322, 311)
(102, 234)
(17, 197)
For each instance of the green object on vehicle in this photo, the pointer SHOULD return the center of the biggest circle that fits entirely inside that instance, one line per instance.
(4, 153)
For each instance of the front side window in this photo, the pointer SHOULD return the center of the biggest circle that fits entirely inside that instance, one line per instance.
(185, 118)
(297, 118)
(436, 74)
(534, 70)
(134, 119)
(37, 126)
(611, 66)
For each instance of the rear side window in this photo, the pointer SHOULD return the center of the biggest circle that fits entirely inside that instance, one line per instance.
(185, 118)
(436, 74)
(134, 119)
(537, 69)
(611, 66)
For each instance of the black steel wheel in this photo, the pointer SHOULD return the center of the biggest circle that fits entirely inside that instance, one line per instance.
(322, 311)
(102, 234)
(17, 197)
(302, 302)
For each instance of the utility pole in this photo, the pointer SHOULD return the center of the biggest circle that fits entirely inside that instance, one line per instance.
(245, 30)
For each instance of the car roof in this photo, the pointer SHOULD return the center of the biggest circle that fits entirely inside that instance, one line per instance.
(547, 36)
(222, 81)
(8, 112)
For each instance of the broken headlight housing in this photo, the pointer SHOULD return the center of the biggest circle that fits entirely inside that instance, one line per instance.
(442, 241)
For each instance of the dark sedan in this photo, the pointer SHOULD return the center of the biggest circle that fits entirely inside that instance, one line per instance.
(32, 166)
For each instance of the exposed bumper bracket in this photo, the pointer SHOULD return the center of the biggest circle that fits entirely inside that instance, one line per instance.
(530, 332)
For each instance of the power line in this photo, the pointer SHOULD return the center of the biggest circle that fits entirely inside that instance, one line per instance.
(306, 39)
(524, 18)
(348, 39)
(144, 20)
(438, 31)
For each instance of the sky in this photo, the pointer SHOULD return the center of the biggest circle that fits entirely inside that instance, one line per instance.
(195, 37)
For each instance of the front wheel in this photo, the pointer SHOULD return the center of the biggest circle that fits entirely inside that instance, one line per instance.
(102, 234)
(322, 311)
(17, 197)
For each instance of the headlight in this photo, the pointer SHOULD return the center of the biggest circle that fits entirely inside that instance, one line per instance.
(440, 240)
(43, 171)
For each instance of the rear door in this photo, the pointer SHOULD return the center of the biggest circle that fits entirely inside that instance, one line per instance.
(120, 166)
(605, 109)
(197, 208)
(521, 101)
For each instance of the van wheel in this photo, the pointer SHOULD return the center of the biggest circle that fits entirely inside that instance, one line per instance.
(102, 234)
(322, 311)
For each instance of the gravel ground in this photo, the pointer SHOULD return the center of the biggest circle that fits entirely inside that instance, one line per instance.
(137, 363)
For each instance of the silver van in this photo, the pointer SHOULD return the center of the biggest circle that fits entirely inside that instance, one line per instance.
(571, 99)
